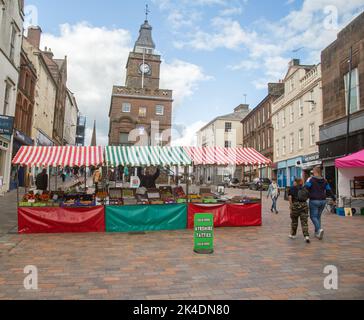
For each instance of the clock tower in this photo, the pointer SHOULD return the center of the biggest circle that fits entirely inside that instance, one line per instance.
(141, 112)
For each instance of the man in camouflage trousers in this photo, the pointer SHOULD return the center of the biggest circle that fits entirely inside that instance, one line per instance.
(299, 210)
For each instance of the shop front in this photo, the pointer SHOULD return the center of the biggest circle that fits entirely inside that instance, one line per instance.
(282, 174)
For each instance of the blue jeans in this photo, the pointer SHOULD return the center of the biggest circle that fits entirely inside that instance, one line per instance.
(274, 203)
(316, 209)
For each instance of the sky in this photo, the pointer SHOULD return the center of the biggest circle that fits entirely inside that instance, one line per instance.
(216, 54)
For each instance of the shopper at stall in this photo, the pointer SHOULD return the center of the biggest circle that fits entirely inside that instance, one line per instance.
(273, 192)
(148, 179)
(41, 180)
(298, 196)
(96, 178)
(319, 189)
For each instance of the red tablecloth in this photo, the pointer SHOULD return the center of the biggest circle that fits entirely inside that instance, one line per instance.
(61, 220)
(228, 215)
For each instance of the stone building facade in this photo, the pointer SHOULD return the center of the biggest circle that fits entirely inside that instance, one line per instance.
(296, 118)
(11, 30)
(70, 120)
(258, 131)
(335, 71)
(141, 112)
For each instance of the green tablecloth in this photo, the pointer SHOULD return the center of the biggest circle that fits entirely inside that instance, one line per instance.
(146, 218)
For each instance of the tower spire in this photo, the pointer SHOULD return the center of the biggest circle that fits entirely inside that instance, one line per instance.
(146, 12)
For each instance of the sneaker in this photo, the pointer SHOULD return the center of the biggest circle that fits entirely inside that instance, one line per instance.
(307, 239)
(321, 234)
(292, 237)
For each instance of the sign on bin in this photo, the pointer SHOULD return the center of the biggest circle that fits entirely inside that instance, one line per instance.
(204, 233)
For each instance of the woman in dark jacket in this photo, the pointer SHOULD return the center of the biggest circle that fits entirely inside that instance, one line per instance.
(148, 180)
(41, 181)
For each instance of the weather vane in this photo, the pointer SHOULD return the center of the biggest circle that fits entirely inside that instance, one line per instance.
(146, 12)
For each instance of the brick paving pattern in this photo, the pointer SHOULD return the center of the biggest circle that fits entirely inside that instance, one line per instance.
(248, 263)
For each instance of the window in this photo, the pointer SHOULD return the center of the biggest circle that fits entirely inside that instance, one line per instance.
(291, 143)
(7, 98)
(263, 140)
(228, 126)
(300, 107)
(259, 143)
(142, 112)
(283, 145)
(277, 121)
(283, 118)
(291, 84)
(312, 101)
(12, 43)
(269, 144)
(126, 108)
(277, 148)
(291, 113)
(300, 139)
(354, 91)
(124, 139)
(263, 110)
(258, 115)
(159, 110)
(227, 144)
(312, 134)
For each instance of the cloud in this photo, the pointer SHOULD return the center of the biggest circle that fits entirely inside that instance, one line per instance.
(186, 135)
(272, 44)
(97, 58)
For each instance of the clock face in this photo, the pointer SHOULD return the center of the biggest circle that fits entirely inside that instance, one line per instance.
(144, 68)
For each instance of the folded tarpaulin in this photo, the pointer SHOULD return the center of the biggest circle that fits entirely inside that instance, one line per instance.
(61, 220)
(228, 215)
(59, 156)
(355, 160)
(146, 156)
(226, 156)
(146, 218)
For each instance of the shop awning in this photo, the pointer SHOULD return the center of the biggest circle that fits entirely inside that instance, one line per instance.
(146, 156)
(59, 156)
(355, 160)
(226, 156)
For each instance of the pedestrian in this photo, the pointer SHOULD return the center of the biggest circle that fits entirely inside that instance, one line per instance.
(319, 189)
(298, 196)
(96, 178)
(273, 192)
(41, 180)
(63, 176)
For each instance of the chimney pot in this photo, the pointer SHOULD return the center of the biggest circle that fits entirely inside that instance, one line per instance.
(34, 35)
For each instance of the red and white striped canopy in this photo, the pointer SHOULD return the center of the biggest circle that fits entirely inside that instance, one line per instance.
(226, 156)
(59, 156)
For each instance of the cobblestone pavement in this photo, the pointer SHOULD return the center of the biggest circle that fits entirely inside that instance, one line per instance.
(248, 263)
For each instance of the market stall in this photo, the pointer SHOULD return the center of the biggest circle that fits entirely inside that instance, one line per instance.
(59, 211)
(351, 181)
(133, 209)
(239, 211)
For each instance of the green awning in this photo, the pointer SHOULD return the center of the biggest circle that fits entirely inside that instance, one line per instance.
(146, 156)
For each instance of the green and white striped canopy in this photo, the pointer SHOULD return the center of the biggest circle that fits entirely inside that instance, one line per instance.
(146, 156)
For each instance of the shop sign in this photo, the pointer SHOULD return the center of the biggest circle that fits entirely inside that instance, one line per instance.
(23, 138)
(43, 140)
(6, 125)
(204, 233)
(311, 158)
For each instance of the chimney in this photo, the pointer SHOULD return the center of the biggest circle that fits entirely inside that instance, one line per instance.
(294, 62)
(34, 34)
(48, 53)
(242, 108)
(276, 89)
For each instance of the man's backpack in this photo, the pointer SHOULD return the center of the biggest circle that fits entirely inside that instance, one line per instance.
(303, 195)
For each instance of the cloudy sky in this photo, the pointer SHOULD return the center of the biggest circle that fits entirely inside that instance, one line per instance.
(214, 51)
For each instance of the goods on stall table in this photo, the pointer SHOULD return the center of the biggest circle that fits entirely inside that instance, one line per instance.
(79, 200)
(194, 198)
(179, 195)
(36, 200)
(115, 196)
(167, 195)
(154, 196)
(129, 196)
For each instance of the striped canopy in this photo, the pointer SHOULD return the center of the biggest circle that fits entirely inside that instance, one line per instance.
(226, 156)
(59, 156)
(146, 156)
